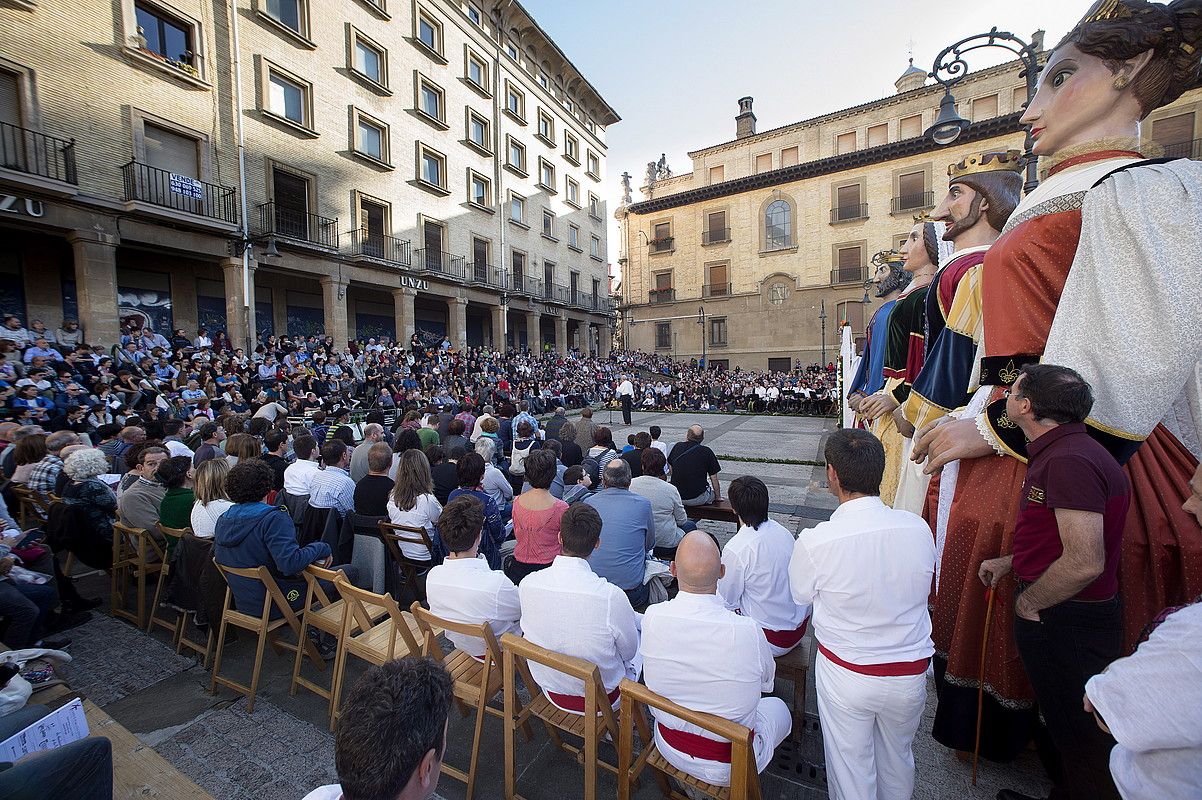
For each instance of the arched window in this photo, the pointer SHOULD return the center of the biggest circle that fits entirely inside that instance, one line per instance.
(778, 225)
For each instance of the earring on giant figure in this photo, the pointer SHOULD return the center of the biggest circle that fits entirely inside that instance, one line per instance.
(1120, 83)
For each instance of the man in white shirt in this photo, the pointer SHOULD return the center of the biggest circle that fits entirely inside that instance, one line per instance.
(569, 609)
(626, 395)
(756, 568)
(701, 655)
(462, 588)
(867, 572)
(299, 475)
(372, 432)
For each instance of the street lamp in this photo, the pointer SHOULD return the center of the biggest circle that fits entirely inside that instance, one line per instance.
(822, 317)
(950, 68)
(705, 364)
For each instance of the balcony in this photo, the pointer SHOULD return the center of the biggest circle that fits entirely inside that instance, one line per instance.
(180, 193)
(716, 236)
(555, 293)
(298, 226)
(661, 245)
(436, 262)
(379, 247)
(849, 274)
(656, 296)
(483, 274)
(912, 202)
(715, 290)
(1184, 150)
(583, 300)
(849, 213)
(526, 285)
(38, 156)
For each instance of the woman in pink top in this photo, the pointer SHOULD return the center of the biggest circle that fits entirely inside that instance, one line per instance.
(536, 516)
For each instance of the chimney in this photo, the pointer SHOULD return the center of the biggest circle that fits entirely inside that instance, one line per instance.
(1037, 41)
(745, 122)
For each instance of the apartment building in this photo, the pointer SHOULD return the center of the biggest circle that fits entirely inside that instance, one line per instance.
(365, 168)
(767, 241)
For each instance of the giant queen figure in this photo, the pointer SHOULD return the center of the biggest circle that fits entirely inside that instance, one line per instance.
(1092, 271)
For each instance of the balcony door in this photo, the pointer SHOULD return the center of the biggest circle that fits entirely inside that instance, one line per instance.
(717, 281)
(169, 170)
(373, 220)
(575, 288)
(548, 280)
(432, 236)
(480, 249)
(291, 196)
(848, 198)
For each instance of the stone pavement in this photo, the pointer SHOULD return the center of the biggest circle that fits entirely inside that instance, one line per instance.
(284, 748)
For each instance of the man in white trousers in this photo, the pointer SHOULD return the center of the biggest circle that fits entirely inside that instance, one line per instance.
(707, 658)
(867, 572)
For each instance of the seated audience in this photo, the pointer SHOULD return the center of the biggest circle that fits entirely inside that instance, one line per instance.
(557, 482)
(27, 454)
(138, 506)
(495, 484)
(413, 504)
(299, 475)
(462, 588)
(569, 609)
(242, 446)
(276, 457)
(455, 437)
(374, 489)
(80, 770)
(695, 470)
(536, 517)
(755, 565)
(701, 655)
(570, 454)
(211, 435)
(373, 432)
(634, 456)
(471, 475)
(44, 476)
(332, 487)
(628, 533)
(671, 520)
(92, 495)
(443, 470)
(211, 499)
(175, 509)
(577, 485)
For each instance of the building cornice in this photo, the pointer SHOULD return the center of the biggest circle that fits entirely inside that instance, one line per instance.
(977, 131)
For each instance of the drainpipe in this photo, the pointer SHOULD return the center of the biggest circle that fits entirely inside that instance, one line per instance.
(247, 288)
(498, 173)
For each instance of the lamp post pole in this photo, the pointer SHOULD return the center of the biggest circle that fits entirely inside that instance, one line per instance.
(822, 317)
(705, 364)
(950, 68)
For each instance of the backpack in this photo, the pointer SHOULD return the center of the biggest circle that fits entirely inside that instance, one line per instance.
(517, 459)
(592, 466)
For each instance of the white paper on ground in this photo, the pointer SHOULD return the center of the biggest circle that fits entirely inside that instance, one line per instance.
(56, 729)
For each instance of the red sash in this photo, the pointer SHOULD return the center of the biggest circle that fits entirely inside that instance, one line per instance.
(892, 669)
(575, 703)
(696, 745)
(786, 640)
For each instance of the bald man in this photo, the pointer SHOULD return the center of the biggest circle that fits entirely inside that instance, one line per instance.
(701, 655)
(695, 470)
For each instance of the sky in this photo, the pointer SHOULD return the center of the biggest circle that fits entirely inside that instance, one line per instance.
(675, 69)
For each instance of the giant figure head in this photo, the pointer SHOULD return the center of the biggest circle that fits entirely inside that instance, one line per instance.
(982, 190)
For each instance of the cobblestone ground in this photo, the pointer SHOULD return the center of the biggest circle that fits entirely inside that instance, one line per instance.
(284, 748)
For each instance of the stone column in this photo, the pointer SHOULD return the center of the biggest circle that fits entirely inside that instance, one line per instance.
(605, 339)
(561, 334)
(333, 297)
(96, 285)
(402, 301)
(279, 308)
(239, 325)
(184, 311)
(533, 336)
(457, 321)
(499, 318)
(43, 288)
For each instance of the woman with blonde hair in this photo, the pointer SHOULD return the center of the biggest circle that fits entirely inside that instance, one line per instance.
(208, 482)
(242, 446)
(413, 503)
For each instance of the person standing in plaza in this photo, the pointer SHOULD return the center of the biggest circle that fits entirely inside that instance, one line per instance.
(1065, 559)
(626, 395)
(867, 572)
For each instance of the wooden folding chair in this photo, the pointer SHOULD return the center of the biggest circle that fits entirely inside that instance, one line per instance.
(412, 572)
(597, 720)
(32, 506)
(476, 681)
(744, 776)
(136, 556)
(395, 636)
(263, 626)
(175, 626)
(794, 666)
(329, 617)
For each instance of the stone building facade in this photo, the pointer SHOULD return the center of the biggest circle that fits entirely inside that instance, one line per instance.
(359, 167)
(764, 247)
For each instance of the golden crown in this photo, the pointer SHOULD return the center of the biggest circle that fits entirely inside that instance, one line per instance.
(1111, 10)
(920, 219)
(992, 161)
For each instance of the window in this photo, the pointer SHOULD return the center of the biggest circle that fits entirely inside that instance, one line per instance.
(594, 166)
(878, 135)
(543, 81)
(515, 155)
(763, 162)
(515, 102)
(10, 97)
(288, 98)
(715, 228)
(477, 131)
(476, 72)
(431, 168)
(369, 60)
(574, 237)
(434, 235)
(548, 224)
(984, 108)
(849, 264)
(431, 101)
(479, 190)
(429, 32)
(511, 50)
(517, 266)
(1018, 100)
(164, 35)
(517, 208)
(718, 330)
(473, 13)
(717, 174)
(778, 225)
(788, 157)
(594, 247)
(571, 148)
(1175, 134)
(910, 127)
(573, 191)
(661, 237)
(716, 280)
(481, 256)
(289, 13)
(170, 151)
(546, 175)
(847, 204)
(549, 280)
(546, 127)
(911, 191)
(373, 226)
(663, 335)
(594, 206)
(371, 137)
(845, 143)
(290, 203)
(779, 364)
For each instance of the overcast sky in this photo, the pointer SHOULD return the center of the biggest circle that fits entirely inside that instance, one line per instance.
(674, 69)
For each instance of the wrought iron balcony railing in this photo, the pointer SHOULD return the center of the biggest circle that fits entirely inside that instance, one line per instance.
(381, 246)
(913, 202)
(849, 213)
(715, 236)
(849, 274)
(715, 290)
(33, 153)
(440, 263)
(159, 187)
(301, 226)
(662, 295)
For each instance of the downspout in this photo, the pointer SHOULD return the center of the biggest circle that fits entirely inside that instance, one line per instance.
(247, 303)
(498, 173)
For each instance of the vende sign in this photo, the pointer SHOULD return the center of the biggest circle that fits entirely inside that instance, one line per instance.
(25, 206)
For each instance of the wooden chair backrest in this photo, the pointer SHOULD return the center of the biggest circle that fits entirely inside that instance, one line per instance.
(273, 595)
(394, 535)
(313, 576)
(356, 600)
(128, 539)
(517, 648)
(428, 621)
(174, 533)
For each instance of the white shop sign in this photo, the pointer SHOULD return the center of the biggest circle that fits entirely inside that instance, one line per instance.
(29, 207)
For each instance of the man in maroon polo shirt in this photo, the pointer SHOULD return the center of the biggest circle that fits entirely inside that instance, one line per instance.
(1065, 559)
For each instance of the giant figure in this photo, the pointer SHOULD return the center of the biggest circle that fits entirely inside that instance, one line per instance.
(891, 278)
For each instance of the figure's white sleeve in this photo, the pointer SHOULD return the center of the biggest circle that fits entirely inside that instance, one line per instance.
(1129, 316)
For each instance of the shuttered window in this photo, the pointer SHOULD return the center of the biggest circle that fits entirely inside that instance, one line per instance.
(849, 258)
(849, 196)
(170, 151)
(716, 174)
(788, 157)
(846, 143)
(984, 108)
(763, 163)
(878, 135)
(10, 98)
(911, 127)
(1173, 130)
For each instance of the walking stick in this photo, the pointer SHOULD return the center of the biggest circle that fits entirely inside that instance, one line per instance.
(976, 749)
